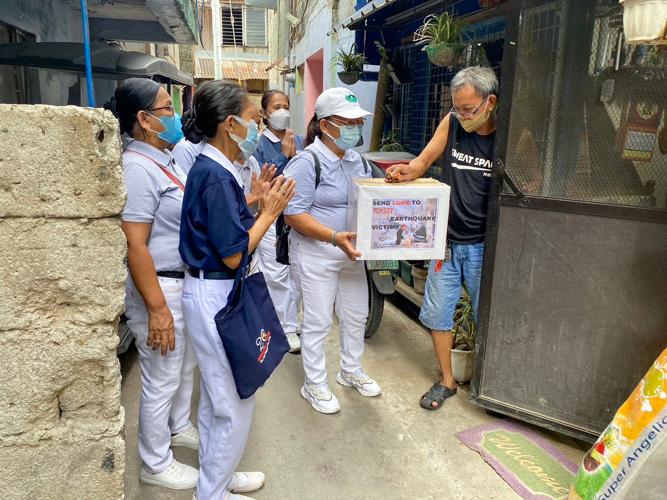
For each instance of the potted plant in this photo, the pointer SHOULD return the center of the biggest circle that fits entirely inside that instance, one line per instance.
(444, 35)
(351, 63)
(391, 143)
(464, 333)
(419, 275)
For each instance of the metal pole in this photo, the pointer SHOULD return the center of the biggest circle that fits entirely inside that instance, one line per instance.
(216, 12)
(86, 49)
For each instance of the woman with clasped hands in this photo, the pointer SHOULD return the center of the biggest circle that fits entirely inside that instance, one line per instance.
(216, 228)
(322, 256)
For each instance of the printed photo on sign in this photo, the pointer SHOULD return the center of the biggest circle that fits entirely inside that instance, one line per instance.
(404, 223)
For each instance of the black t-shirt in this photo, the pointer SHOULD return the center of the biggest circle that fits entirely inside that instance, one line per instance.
(468, 164)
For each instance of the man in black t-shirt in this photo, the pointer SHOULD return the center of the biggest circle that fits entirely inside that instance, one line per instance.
(465, 137)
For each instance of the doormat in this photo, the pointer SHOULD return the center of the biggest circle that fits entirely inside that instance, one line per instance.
(534, 468)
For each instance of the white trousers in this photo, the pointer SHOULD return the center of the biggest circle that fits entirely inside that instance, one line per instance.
(327, 278)
(224, 419)
(279, 282)
(166, 381)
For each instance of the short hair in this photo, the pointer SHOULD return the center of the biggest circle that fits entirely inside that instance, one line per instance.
(483, 80)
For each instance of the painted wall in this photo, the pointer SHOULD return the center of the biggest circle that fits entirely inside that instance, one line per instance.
(311, 37)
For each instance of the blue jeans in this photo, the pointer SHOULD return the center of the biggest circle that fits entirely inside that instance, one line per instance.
(443, 289)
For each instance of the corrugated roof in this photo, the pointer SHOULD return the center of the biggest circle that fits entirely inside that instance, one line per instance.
(231, 69)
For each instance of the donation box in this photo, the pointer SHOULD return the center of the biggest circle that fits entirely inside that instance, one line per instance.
(403, 221)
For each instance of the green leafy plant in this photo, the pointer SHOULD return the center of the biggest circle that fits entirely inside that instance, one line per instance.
(349, 61)
(390, 142)
(465, 328)
(384, 53)
(439, 29)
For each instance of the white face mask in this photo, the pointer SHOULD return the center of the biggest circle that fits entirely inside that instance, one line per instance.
(279, 120)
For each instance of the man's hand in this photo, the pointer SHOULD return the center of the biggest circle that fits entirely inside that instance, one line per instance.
(402, 172)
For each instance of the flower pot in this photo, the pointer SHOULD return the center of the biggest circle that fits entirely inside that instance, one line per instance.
(462, 365)
(445, 54)
(348, 77)
(419, 278)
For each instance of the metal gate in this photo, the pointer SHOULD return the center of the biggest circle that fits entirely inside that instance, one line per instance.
(573, 308)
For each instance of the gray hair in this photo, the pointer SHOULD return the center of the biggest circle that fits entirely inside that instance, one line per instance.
(483, 80)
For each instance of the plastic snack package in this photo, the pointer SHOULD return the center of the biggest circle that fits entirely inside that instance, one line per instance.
(619, 465)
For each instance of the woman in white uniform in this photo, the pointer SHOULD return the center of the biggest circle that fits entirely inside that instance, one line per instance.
(217, 227)
(151, 222)
(322, 257)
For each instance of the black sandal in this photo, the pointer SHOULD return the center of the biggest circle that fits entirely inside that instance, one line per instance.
(438, 394)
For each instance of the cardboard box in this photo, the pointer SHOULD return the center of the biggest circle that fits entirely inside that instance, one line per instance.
(404, 221)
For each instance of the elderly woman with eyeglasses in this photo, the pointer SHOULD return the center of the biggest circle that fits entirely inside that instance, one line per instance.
(151, 223)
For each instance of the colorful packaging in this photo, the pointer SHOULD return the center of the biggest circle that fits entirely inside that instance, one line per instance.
(638, 428)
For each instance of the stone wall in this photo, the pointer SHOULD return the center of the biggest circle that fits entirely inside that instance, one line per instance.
(62, 277)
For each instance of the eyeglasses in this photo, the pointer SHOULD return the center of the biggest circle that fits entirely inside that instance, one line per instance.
(467, 115)
(347, 126)
(168, 108)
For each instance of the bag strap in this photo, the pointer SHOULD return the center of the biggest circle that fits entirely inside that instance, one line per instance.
(365, 162)
(318, 167)
(234, 296)
(171, 176)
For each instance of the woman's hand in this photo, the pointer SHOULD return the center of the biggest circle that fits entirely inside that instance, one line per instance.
(343, 240)
(266, 175)
(289, 146)
(275, 200)
(161, 330)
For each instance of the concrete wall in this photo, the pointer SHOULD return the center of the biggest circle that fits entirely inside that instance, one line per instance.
(62, 277)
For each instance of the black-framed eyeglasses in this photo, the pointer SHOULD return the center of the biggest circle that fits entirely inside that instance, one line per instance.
(168, 108)
(468, 115)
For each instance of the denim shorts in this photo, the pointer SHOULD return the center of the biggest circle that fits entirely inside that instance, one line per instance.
(443, 289)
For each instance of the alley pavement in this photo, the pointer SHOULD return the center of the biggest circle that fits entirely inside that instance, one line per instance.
(381, 448)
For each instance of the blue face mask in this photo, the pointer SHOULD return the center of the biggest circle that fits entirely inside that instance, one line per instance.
(350, 136)
(248, 145)
(173, 131)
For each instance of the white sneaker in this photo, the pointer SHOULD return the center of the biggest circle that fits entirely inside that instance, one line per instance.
(360, 381)
(294, 342)
(186, 439)
(253, 482)
(320, 397)
(177, 476)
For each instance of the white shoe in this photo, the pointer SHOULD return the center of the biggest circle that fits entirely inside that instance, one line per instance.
(360, 381)
(186, 439)
(254, 481)
(320, 397)
(177, 476)
(294, 342)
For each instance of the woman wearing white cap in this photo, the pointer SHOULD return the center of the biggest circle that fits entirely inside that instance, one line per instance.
(323, 259)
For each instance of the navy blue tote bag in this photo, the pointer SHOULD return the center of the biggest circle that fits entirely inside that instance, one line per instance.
(250, 331)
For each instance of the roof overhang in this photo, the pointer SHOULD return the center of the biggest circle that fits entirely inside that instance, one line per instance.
(393, 15)
(158, 21)
(108, 62)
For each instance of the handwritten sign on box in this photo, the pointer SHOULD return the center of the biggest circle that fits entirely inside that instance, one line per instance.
(406, 221)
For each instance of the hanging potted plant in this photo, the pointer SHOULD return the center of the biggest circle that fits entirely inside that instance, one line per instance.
(444, 35)
(351, 63)
(464, 333)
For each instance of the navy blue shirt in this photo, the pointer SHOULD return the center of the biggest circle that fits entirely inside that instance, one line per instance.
(270, 150)
(215, 218)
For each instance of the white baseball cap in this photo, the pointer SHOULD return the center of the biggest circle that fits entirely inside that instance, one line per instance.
(338, 101)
